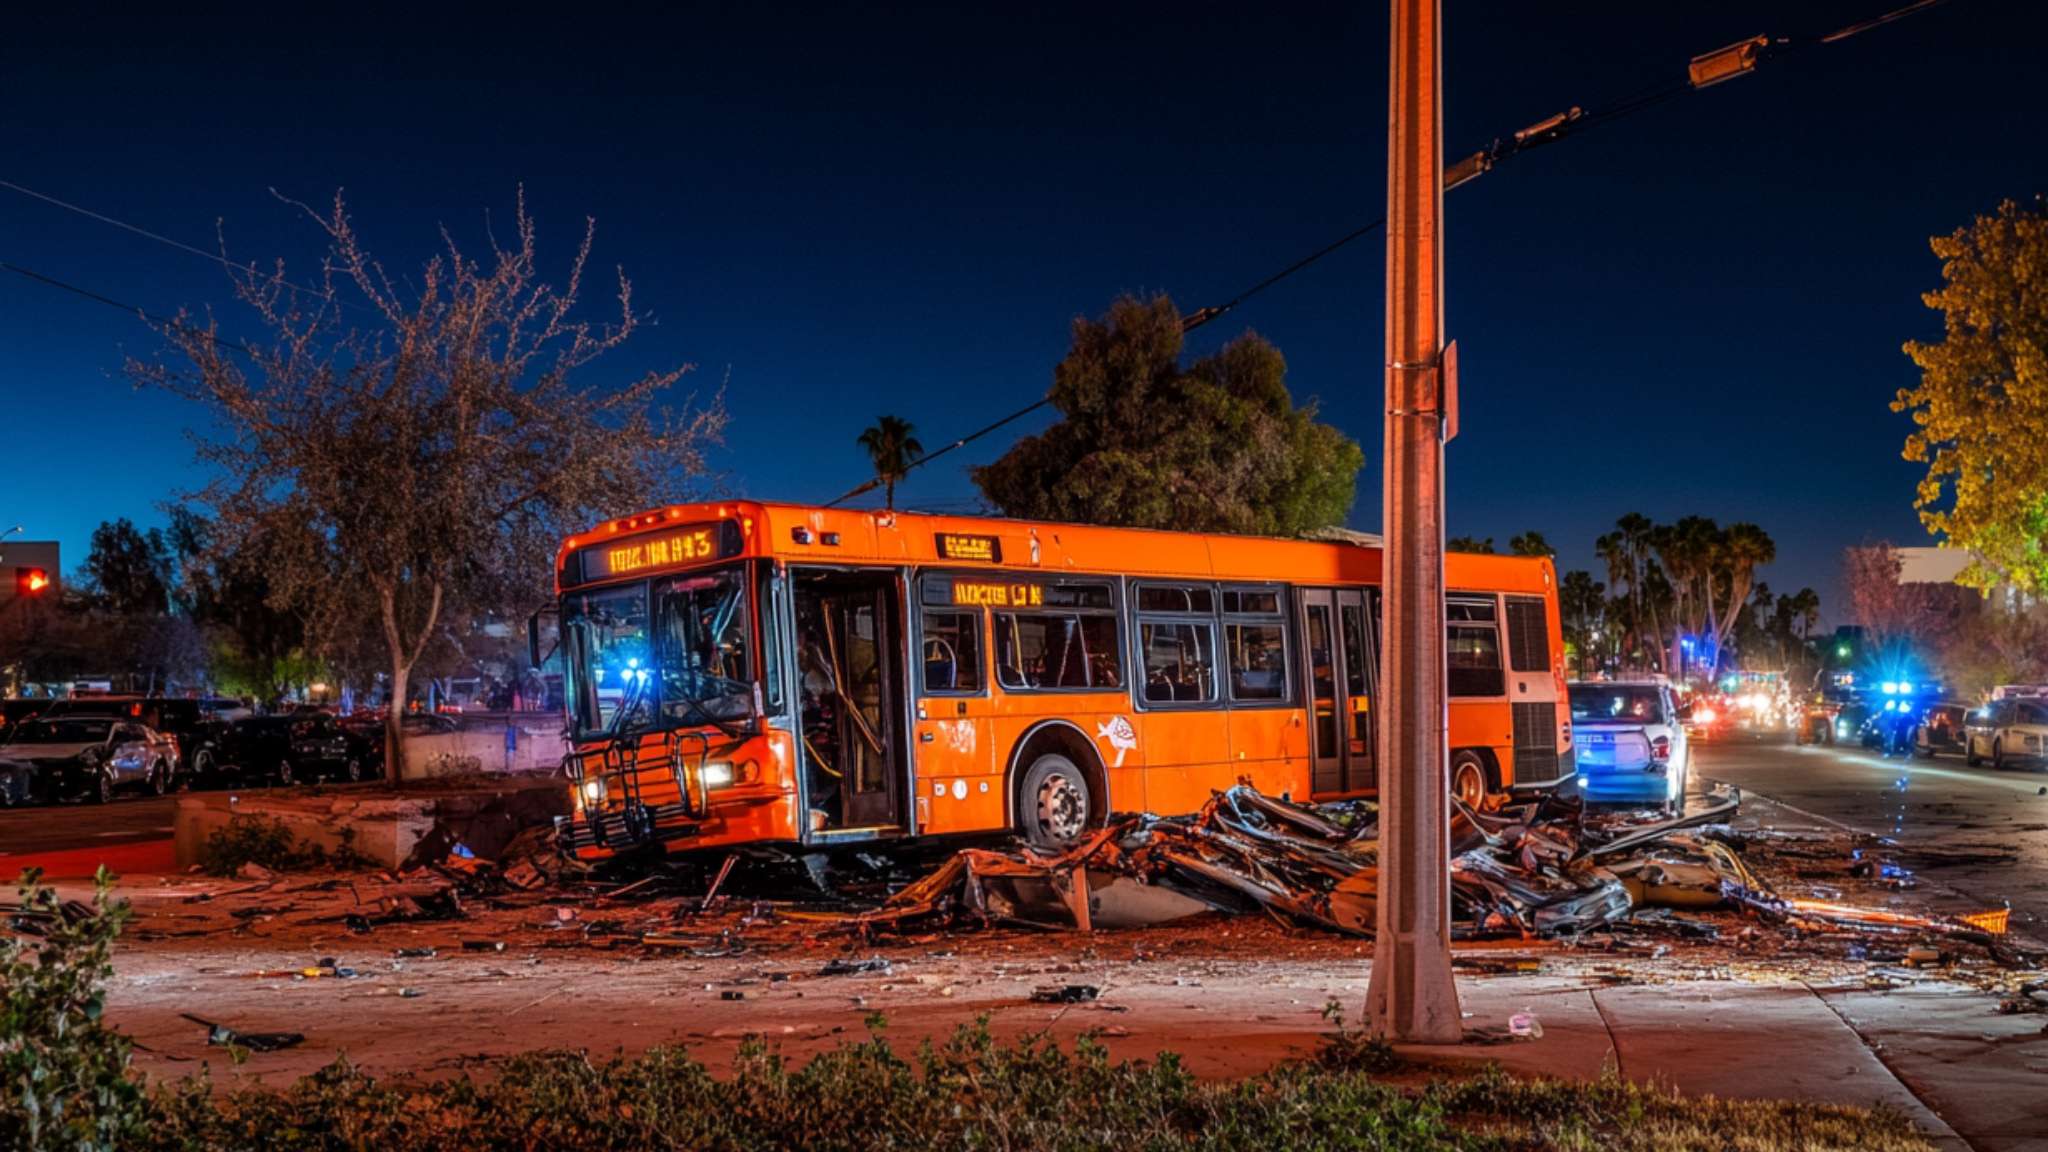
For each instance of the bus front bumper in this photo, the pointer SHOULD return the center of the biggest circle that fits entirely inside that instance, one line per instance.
(622, 829)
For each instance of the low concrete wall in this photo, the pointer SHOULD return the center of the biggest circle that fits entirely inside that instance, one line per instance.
(390, 829)
(535, 744)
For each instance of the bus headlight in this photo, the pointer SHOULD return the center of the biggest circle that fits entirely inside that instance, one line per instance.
(593, 792)
(717, 773)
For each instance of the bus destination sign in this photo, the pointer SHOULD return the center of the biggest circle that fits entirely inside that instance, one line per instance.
(960, 546)
(670, 547)
(995, 594)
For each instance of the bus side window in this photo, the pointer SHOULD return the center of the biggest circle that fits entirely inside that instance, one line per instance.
(952, 652)
(1176, 644)
(1255, 636)
(1473, 655)
(1056, 650)
(1180, 661)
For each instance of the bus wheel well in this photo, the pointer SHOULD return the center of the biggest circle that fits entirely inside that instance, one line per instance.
(1065, 740)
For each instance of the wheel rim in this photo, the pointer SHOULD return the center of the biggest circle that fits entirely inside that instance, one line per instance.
(106, 788)
(159, 780)
(1467, 784)
(284, 772)
(1062, 807)
(355, 770)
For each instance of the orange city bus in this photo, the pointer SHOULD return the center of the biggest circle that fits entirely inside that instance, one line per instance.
(752, 673)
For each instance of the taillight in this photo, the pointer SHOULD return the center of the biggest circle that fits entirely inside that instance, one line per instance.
(1660, 748)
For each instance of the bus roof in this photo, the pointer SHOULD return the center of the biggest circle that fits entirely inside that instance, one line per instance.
(809, 533)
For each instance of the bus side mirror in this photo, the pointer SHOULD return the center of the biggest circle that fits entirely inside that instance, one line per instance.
(534, 658)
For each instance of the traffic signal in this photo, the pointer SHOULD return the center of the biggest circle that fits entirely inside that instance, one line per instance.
(30, 581)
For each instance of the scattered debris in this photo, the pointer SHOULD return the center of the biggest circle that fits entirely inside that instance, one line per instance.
(222, 1036)
(1526, 1025)
(841, 966)
(1066, 994)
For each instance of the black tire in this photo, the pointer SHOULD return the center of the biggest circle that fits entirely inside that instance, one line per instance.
(1998, 755)
(159, 778)
(354, 770)
(1970, 756)
(1470, 781)
(102, 787)
(204, 771)
(1054, 804)
(285, 776)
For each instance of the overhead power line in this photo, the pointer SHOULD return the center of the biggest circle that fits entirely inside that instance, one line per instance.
(130, 309)
(1703, 71)
(180, 245)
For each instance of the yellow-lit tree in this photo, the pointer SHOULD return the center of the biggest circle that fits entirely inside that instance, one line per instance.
(1981, 408)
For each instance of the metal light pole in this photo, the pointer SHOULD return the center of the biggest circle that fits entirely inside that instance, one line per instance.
(1411, 996)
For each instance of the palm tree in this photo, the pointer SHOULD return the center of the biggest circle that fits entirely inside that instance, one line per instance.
(1743, 548)
(892, 445)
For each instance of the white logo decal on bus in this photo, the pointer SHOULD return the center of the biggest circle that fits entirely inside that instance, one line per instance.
(1121, 736)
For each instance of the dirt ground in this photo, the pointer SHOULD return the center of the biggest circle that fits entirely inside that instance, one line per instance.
(1234, 995)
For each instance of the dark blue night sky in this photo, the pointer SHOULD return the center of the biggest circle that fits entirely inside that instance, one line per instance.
(1695, 310)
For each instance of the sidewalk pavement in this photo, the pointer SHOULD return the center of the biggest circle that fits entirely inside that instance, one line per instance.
(1772, 1041)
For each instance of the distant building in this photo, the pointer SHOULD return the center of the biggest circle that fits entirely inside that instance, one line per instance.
(1943, 565)
(17, 556)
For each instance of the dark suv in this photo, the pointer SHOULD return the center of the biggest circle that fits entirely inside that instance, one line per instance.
(294, 748)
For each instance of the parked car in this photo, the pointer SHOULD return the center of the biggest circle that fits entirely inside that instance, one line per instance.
(200, 725)
(1942, 728)
(2007, 732)
(92, 756)
(294, 748)
(1631, 743)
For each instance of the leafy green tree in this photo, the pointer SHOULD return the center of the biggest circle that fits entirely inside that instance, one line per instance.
(1981, 408)
(1530, 544)
(1213, 446)
(891, 445)
(128, 570)
(258, 646)
(1470, 545)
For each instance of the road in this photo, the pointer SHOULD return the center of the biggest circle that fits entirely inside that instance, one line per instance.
(58, 827)
(1946, 821)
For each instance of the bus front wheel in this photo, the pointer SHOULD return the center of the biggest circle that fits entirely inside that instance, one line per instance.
(1053, 802)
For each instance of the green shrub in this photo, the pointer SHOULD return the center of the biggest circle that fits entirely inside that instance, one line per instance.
(270, 843)
(64, 1080)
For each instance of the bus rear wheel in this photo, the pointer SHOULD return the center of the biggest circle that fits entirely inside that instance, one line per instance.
(1053, 802)
(1468, 778)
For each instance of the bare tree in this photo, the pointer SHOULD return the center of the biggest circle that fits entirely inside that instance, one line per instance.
(424, 464)
(1896, 615)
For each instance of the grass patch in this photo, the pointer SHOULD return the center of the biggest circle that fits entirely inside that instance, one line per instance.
(67, 1084)
(270, 843)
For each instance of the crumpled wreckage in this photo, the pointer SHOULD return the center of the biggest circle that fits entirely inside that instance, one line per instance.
(1542, 867)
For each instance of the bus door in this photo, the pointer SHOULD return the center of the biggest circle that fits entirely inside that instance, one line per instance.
(1340, 678)
(850, 667)
(957, 781)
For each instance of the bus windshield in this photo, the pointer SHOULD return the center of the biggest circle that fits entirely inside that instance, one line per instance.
(673, 654)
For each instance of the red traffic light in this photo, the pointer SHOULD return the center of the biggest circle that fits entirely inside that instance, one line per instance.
(30, 581)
